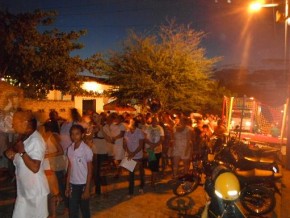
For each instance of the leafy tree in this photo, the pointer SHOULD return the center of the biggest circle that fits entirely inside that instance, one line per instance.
(39, 61)
(169, 66)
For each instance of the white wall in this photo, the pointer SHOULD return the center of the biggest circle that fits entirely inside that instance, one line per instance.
(57, 96)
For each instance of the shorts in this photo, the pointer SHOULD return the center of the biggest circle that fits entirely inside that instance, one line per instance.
(154, 164)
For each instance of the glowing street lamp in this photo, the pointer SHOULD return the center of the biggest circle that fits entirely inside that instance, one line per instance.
(258, 5)
(255, 6)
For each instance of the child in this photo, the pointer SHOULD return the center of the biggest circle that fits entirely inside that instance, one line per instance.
(79, 174)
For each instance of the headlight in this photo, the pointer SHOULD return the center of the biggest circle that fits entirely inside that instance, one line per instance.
(233, 193)
(230, 194)
(218, 194)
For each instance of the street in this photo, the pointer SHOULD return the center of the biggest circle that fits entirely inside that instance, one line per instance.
(153, 203)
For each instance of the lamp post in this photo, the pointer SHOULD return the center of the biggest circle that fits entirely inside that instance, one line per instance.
(287, 164)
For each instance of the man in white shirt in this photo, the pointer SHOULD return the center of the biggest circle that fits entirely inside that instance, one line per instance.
(27, 156)
(154, 136)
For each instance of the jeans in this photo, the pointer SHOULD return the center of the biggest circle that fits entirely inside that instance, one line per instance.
(76, 202)
(132, 177)
(99, 159)
(60, 175)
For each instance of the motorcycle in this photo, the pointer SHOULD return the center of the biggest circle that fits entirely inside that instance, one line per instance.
(254, 151)
(223, 190)
(258, 190)
(225, 187)
(186, 184)
(240, 156)
(203, 164)
(257, 177)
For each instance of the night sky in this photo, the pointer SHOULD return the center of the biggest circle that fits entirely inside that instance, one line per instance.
(240, 38)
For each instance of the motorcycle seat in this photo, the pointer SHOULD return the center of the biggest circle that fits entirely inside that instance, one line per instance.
(278, 175)
(260, 159)
(245, 173)
(254, 173)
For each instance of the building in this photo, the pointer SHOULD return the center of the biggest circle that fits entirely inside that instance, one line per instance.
(95, 102)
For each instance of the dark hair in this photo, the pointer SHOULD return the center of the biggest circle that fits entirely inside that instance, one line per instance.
(113, 115)
(49, 126)
(148, 115)
(219, 122)
(136, 123)
(33, 123)
(75, 115)
(78, 127)
(121, 118)
(155, 119)
(53, 114)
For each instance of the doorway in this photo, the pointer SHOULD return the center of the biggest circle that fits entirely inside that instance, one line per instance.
(89, 105)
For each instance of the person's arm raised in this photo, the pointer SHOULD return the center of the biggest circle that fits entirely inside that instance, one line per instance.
(32, 164)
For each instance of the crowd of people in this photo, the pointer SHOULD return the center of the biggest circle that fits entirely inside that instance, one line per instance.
(64, 159)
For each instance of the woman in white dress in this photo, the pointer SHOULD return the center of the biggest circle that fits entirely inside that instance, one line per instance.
(181, 146)
(117, 132)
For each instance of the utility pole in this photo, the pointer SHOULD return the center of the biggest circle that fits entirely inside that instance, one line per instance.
(286, 63)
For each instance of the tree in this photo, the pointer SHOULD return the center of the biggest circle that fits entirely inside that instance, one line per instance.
(169, 66)
(39, 61)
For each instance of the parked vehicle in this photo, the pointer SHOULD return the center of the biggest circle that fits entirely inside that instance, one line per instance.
(188, 183)
(242, 157)
(223, 190)
(257, 172)
(203, 164)
(258, 190)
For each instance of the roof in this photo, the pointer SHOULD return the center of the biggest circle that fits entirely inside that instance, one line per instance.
(114, 106)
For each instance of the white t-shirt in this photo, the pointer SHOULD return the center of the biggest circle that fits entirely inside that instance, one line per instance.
(30, 184)
(79, 159)
(132, 140)
(100, 144)
(116, 129)
(108, 132)
(180, 146)
(153, 134)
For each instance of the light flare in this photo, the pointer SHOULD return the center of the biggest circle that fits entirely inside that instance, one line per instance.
(255, 6)
(259, 4)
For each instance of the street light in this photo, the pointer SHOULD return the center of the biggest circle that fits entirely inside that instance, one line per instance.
(255, 6)
(258, 5)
